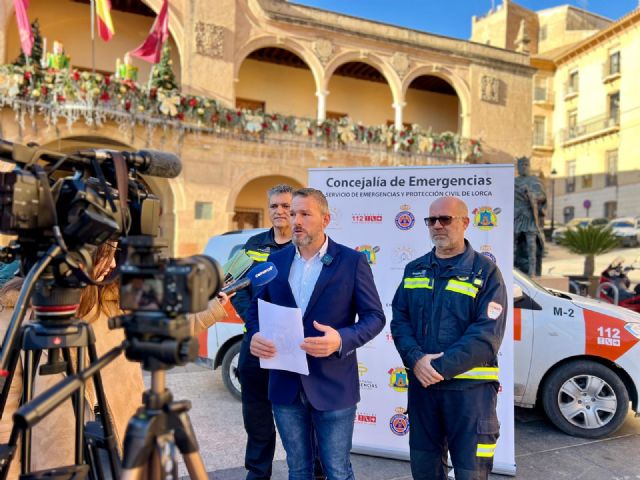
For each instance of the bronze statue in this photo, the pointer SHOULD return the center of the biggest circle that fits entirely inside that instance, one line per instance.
(529, 212)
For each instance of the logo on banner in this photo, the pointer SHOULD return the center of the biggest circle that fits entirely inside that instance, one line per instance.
(403, 255)
(368, 385)
(485, 218)
(336, 219)
(399, 423)
(366, 218)
(398, 379)
(369, 252)
(486, 251)
(405, 220)
(366, 419)
(362, 369)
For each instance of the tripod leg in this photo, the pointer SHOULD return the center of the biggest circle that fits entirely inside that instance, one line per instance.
(187, 443)
(27, 394)
(79, 399)
(195, 466)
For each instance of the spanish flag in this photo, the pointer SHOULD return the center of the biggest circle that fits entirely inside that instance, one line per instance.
(105, 25)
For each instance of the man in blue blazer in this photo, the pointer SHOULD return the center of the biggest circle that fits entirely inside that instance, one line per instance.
(331, 284)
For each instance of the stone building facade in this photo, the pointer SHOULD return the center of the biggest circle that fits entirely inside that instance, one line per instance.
(282, 58)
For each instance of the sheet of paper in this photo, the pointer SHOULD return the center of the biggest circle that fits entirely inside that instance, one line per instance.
(283, 326)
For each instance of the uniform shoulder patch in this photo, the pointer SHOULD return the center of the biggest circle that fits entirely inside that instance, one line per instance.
(494, 310)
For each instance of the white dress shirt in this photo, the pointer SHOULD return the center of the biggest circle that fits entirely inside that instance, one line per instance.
(304, 275)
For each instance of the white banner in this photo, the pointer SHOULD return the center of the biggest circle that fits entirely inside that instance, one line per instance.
(380, 212)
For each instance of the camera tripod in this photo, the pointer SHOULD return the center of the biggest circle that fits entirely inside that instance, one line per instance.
(162, 425)
(56, 331)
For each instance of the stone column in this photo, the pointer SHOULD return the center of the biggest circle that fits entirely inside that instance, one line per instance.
(398, 121)
(322, 104)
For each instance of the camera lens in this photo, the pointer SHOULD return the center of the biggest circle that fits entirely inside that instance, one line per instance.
(207, 274)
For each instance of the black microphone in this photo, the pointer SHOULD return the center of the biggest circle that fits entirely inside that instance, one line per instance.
(155, 163)
(148, 162)
(256, 277)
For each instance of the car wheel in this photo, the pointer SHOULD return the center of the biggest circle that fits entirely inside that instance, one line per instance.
(230, 376)
(585, 399)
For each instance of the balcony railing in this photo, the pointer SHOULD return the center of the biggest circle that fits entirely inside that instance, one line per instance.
(610, 71)
(591, 127)
(71, 96)
(542, 140)
(570, 90)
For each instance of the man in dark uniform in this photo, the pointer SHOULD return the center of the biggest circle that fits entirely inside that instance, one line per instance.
(256, 407)
(449, 317)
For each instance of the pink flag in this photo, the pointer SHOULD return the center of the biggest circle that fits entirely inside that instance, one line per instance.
(24, 27)
(151, 48)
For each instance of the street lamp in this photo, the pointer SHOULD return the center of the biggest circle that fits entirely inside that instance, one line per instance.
(554, 172)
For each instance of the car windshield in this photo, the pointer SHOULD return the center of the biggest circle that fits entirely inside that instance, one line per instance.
(528, 282)
(622, 224)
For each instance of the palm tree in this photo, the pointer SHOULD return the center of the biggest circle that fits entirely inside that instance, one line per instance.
(590, 241)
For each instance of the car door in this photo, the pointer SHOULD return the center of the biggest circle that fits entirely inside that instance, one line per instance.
(523, 337)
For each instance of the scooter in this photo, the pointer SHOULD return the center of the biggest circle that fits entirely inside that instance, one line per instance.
(615, 286)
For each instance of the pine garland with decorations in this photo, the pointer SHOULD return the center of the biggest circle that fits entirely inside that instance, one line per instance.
(72, 95)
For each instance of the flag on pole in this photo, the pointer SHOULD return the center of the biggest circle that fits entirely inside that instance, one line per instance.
(24, 27)
(105, 24)
(151, 48)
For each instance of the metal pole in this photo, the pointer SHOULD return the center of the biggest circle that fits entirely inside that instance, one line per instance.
(553, 203)
(93, 36)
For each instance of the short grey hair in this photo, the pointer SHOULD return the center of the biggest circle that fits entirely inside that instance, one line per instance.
(317, 195)
(278, 189)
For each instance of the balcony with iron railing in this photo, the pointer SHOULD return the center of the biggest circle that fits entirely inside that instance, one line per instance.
(542, 141)
(591, 128)
(611, 71)
(73, 98)
(570, 90)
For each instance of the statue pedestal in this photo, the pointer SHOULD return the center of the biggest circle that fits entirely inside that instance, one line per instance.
(555, 282)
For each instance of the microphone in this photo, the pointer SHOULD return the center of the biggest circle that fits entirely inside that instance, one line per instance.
(256, 277)
(148, 162)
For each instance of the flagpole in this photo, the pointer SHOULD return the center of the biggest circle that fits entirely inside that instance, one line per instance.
(93, 36)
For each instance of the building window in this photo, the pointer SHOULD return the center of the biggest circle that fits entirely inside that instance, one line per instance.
(204, 210)
(540, 90)
(614, 63)
(571, 176)
(247, 104)
(611, 178)
(246, 218)
(614, 108)
(539, 130)
(542, 34)
(572, 86)
(587, 181)
(335, 115)
(611, 209)
(572, 123)
(568, 213)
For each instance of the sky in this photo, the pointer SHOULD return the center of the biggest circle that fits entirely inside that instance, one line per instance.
(452, 18)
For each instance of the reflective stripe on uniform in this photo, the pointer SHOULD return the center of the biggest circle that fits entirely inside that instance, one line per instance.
(258, 256)
(418, 282)
(480, 373)
(464, 288)
(486, 450)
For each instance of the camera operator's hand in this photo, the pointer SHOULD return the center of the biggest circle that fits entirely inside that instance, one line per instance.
(223, 298)
(261, 347)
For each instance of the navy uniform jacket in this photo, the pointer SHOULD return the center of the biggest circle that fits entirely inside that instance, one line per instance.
(258, 247)
(344, 289)
(461, 312)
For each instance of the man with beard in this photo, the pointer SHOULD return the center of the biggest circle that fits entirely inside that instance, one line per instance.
(449, 317)
(331, 284)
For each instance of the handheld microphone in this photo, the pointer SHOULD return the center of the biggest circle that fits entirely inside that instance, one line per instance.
(256, 277)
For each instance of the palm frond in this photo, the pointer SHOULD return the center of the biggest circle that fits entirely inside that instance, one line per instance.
(590, 240)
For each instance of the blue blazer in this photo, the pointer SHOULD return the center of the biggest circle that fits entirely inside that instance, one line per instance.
(344, 289)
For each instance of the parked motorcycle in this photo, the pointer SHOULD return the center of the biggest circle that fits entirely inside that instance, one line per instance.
(615, 286)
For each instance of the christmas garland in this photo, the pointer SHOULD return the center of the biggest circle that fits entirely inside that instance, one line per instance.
(71, 94)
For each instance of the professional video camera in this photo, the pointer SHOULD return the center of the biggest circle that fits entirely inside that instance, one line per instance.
(61, 207)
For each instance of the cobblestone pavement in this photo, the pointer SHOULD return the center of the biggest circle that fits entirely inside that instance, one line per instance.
(542, 452)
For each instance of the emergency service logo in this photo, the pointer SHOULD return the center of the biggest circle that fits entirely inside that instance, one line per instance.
(403, 255)
(365, 418)
(336, 219)
(398, 379)
(362, 369)
(369, 252)
(405, 220)
(633, 328)
(485, 218)
(399, 423)
(366, 218)
(486, 251)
